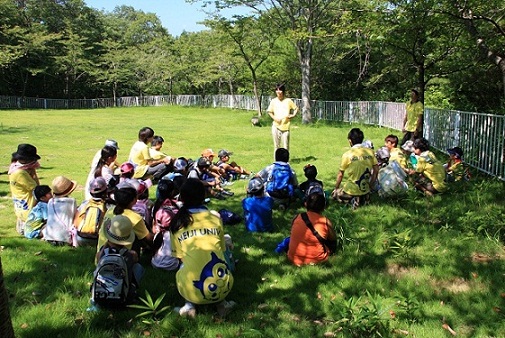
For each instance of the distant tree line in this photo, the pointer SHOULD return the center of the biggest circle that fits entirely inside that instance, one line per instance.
(450, 50)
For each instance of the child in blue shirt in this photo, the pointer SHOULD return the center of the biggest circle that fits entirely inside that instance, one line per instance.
(37, 217)
(257, 207)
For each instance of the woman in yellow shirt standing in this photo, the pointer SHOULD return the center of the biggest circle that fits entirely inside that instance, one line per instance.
(281, 110)
(413, 120)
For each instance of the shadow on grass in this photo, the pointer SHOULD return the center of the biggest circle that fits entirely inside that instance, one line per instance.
(461, 287)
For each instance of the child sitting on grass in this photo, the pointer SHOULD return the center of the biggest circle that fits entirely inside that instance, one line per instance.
(125, 198)
(232, 170)
(432, 180)
(197, 238)
(212, 185)
(257, 207)
(37, 217)
(280, 179)
(164, 210)
(119, 236)
(61, 211)
(395, 153)
(157, 154)
(455, 169)
(310, 172)
(90, 214)
(304, 246)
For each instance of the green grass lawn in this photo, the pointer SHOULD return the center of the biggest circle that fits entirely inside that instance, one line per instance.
(408, 267)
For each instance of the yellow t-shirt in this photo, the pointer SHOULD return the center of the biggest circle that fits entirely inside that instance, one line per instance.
(139, 156)
(431, 168)
(203, 277)
(281, 111)
(414, 110)
(357, 163)
(22, 185)
(457, 169)
(397, 155)
(156, 154)
(139, 227)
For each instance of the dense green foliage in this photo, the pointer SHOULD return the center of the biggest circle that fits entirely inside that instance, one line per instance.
(325, 50)
(408, 267)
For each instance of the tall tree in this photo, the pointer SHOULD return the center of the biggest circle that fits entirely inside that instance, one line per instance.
(424, 38)
(485, 22)
(302, 21)
(253, 40)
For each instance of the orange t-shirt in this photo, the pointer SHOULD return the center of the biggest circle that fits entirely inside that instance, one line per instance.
(304, 247)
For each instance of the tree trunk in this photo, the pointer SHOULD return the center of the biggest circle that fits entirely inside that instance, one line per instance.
(304, 49)
(114, 90)
(420, 82)
(493, 56)
(6, 330)
(255, 90)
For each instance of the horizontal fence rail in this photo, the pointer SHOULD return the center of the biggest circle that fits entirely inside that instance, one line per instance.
(481, 136)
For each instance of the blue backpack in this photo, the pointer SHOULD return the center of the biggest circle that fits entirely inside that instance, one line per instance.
(279, 181)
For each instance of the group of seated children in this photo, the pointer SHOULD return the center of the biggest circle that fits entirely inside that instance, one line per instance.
(182, 234)
(388, 170)
(427, 173)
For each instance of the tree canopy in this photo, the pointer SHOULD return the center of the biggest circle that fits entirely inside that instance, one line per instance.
(452, 51)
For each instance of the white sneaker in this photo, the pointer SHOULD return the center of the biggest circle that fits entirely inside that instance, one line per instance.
(225, 307)
(187, 310)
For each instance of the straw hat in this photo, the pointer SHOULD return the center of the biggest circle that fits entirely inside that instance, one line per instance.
(62, 186)
(119, 230)
(208, 153)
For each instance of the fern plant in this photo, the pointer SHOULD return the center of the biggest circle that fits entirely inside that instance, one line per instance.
(151, 308)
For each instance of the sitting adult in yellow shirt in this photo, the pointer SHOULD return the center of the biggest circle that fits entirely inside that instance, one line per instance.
(361, 167)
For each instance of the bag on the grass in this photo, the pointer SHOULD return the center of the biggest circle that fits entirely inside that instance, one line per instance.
(229, 217)
(279, 184)
(111, 284)
(91, 219)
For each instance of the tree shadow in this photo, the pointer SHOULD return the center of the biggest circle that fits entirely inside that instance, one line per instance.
(303, 159)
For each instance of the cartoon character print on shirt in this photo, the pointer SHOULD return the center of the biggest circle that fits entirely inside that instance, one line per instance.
(213, 279)
(363, 180)
(20, 204)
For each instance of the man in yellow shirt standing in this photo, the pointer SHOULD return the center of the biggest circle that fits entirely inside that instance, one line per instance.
(413, 120)
(281, 110)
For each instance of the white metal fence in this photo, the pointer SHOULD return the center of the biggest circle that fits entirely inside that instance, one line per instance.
(481, 136)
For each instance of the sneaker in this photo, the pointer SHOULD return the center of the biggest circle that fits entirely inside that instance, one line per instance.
(354, 203)
(186, 311)
(225, 307)
(227, 193)
(219, 196)
(206, 200)
(244, 177)
(226, 183)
